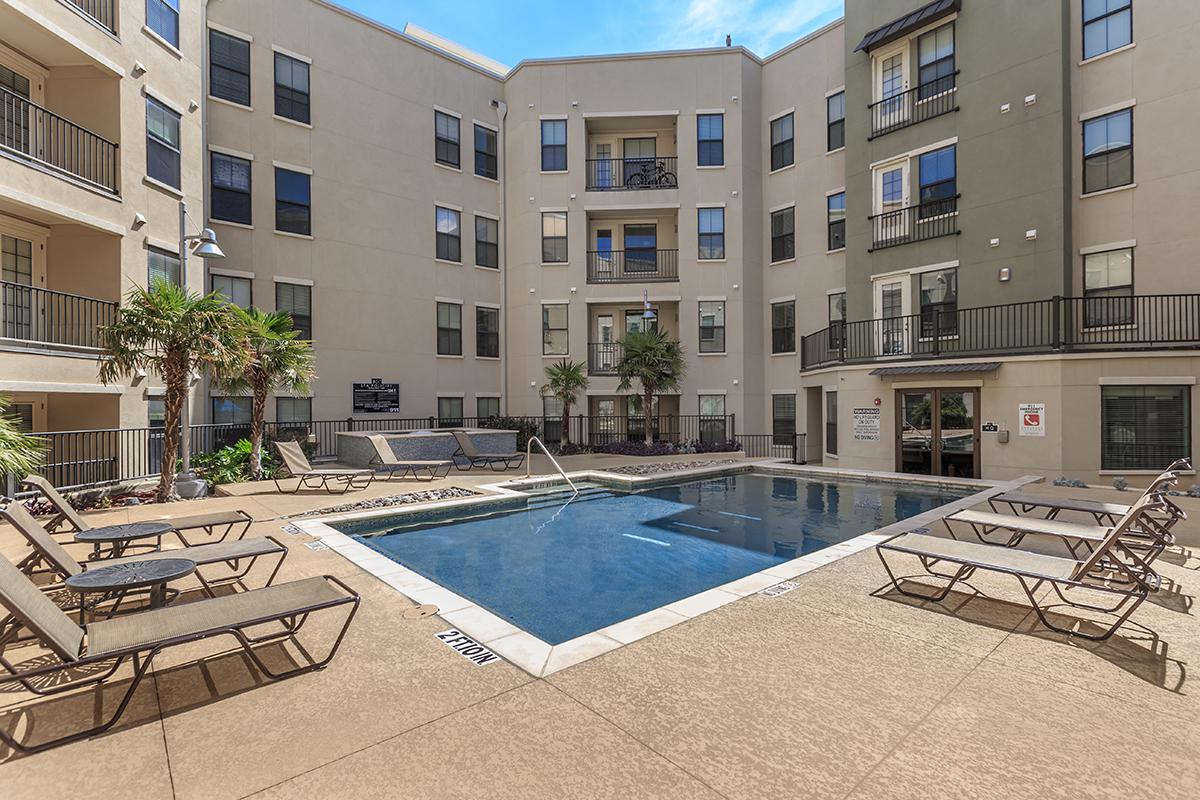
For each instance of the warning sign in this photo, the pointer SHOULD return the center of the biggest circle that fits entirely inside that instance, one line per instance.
(866, 424)
(1032, 419)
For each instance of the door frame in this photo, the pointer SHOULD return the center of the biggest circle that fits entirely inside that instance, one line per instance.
(936, 426)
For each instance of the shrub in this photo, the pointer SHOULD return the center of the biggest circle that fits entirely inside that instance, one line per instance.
(1063, 480)
(571, 449)
(1120, 484)
(638, 448)
(231, 464)
(720, 446)
(525, 427)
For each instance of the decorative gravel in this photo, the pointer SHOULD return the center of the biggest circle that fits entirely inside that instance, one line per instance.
(667, 466)
(427, 496)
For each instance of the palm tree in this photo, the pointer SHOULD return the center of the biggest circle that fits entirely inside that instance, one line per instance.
(564, 381)
(271, 357)
(173, 332)
(20, 453)
(655, 362)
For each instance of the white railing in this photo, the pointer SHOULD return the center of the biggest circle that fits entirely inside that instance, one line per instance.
(529, 461)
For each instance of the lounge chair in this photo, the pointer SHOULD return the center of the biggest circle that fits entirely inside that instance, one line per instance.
(55, 559)
(297, 466)
(474, 458)
(1033, 570)
(92, 654)
(385, 460)
(209, 523)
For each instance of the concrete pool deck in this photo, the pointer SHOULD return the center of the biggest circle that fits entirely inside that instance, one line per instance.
(831, 690)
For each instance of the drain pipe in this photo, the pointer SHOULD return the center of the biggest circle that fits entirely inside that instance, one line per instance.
(501, 141)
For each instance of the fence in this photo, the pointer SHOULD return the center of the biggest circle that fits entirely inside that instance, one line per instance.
(32, 314)
(39, 134)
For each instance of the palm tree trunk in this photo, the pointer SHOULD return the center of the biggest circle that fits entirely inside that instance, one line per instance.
(258, 409)
(566, 426)
(646, 403)
(176, 378)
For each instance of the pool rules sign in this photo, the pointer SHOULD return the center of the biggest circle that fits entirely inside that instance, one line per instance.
(1032, 418)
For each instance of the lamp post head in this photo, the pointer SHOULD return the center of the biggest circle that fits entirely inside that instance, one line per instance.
(208, 247)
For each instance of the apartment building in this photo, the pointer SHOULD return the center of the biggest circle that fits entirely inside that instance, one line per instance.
(909, 236)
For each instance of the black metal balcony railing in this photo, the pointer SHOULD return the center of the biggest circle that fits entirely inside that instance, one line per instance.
(632, 266)
(102, 12)
(915, 223)
(1145, 322)
(924, 102)
(29, 131)
(603, 357)
(40, 315)
(605, 174)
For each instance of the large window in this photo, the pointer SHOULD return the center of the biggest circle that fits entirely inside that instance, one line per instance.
(835, 121)
(228, 67)
(445, 146)
(487, 332)
(1108, 288)
(554, 329)
(485, 152)
(487, 407)
(450, 412)
(231, 410)
(710, 140)
(449, 235)
(234, 289)
(711, 225)
(162, 143)
(935, 62)
(782, 153)
(783, 419)
(938, 181)
(712, 326)
(783, 234)
(835, 210)
(292, 410)
(230, 196)
(1107, 25)
(831, 423)
(783, 327)
(554, 237)
(293, 201)
(449, 329)
(939, 303)
(163, 266)
(296, 299)
(712, 418)
(1144, 427)
(291, 88)
(162, 17)
(1108, 151)
(554, 145)
(487, 242)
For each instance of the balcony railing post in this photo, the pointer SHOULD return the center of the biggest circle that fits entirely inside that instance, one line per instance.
(937, 332)
(1056, 322)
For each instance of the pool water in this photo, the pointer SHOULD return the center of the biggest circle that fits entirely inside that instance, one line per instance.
(560, 569)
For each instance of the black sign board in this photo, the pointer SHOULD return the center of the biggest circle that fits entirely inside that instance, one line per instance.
(990, 427)
(376, 397)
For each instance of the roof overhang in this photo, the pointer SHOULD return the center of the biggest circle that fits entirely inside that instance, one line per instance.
(899, 28)
(937, 369)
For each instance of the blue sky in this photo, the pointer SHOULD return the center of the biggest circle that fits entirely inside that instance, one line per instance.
(511, 31)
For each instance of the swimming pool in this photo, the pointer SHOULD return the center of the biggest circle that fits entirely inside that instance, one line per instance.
(560, 568)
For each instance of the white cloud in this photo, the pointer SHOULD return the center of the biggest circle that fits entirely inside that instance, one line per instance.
(761, 25)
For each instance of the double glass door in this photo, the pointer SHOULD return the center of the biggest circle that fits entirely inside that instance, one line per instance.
(938, 432)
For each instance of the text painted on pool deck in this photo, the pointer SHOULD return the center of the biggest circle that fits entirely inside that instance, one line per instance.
(467, 647)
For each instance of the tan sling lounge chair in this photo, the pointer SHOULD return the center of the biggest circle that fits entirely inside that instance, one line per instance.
(385, 460)
(474, 458)
(309, 477)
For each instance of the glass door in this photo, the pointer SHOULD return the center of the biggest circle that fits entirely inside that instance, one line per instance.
(938, 432)
(603, 169)
(638, 167)
(641, 248)
(14, 110)
(604, 253)
(16, 291)
(892, 311)
(892, 81)
(916, 451)
(606, 348)
(958, 433)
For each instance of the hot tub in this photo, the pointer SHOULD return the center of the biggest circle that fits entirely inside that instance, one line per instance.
(355, 450)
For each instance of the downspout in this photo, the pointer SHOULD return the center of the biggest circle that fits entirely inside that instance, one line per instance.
(501, 141)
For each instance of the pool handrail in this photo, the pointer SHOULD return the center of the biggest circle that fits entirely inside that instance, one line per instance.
(529, 462)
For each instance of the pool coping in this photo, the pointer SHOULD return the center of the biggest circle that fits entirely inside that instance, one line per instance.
(540, 658)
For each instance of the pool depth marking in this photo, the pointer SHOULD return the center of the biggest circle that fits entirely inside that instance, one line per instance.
(743, 516)
(645, 539)
(467, 647)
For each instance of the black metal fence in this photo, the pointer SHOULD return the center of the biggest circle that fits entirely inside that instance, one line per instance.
(632, 266)
(917, 223)
(924, 102)
(41, 315)
(33, 132)
(608, 174)
(102, 11)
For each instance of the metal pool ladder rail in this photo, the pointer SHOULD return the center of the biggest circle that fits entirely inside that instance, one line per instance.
(529, 464)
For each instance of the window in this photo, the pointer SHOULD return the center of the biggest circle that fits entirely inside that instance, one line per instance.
(554, 237)
(554, 145)
(711, 225)
(449, 238)
(837, 320)
(156, 413)
(162, 17)
(487, 407)
(783, 327)
(1107, 25)
(781, 142)
(831, 423)
(1108, 288)
(939, 303)
(835, 207)
(291, 88)
(554, 329)
(710, 140)
(835, 121)
(487, 242)
(783, 419)
(712, 418)
(935, 62)
(485, 152)
(1108, 151)
(450, 412)
(1144, 427)
(231, 410)
(293, 201)
(487, 332)
(938, 182)
(235, 290)
(445, 134)
(291, 410)
(783, 234)
(230, 196)
(296, 299)
(712, 326)
(449, 329)
(163, 266)
(162, 142)
(552, 412)
(228, 67)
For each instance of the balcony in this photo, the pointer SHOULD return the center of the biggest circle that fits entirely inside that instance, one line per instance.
(916, 105)
(603, 357)
(42, 316)
(1145, 322)
(915, 223)
(32, 133)
(101, 12)
(618, 174)
(632, 266)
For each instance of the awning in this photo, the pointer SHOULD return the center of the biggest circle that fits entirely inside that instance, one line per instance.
(908, 23)
(937, 369)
